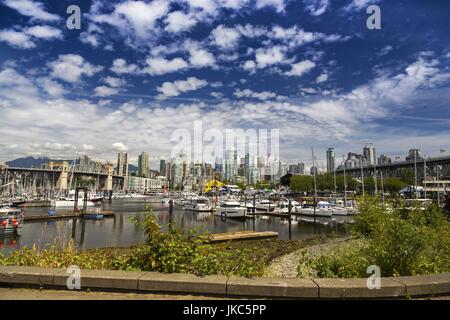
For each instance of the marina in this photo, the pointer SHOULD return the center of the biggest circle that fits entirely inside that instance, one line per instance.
(118, 231)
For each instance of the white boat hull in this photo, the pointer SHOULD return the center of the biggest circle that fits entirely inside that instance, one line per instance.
(71, 203)
(231, 212)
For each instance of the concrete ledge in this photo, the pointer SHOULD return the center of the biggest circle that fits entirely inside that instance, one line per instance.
(357, 288)
(433, 284)
(273, 287)
(105, 279)
(398, 287)
(179, 282)
(27, 275)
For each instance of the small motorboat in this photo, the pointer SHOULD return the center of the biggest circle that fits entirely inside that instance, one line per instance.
(11, 220)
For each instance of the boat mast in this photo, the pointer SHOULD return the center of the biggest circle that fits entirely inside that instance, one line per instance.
(315, 182)
(345, 184)
(415, 174)
(362, 177)
(73, 169)
(425, 175)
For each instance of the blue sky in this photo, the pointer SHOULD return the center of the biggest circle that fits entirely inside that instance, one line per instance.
(138, 70)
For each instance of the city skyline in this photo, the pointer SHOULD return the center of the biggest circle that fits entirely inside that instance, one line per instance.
(312, 69)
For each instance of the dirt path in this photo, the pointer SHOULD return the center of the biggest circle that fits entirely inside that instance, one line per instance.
(286, 266)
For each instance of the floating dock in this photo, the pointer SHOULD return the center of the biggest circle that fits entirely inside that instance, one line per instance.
(65, 215)
(242, 235)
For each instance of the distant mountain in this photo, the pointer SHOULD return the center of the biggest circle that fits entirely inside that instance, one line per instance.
(132, 168)
(29, 162)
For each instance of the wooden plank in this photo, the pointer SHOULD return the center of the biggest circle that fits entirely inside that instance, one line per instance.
(242, 235)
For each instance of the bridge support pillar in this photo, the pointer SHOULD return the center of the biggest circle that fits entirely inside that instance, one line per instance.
(109, 179)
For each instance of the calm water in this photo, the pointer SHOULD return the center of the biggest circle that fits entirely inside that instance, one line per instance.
(120, 231)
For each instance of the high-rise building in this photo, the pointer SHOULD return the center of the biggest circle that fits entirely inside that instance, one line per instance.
(383, 159)
(369, 154)
(162, 168)
(122, 164)
(144, 165)
(330, 160)
(297, 168)
(413, 154)
(179, 171)
(231, 164)
(313, 170)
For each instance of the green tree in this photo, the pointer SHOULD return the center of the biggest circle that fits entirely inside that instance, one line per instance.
(302, 183)
(393, 185)
(408, 176)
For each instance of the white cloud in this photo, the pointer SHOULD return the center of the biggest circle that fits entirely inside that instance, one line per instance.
(120, 66)
(247, 93)
(119, 147)
(114, 82)
(136, 18)
(71, 67)
(199, 57)
(52, 87)
(160, 66)
(16, 39)
(172, 89)
(358, 5)
(178, 21)
(269, 56)
(226, 38)
(322, 78)
(249, 65)
(316, 7)
(279, 5)
(32, 9)
(300, 68)
(44, 32)
(105, 91)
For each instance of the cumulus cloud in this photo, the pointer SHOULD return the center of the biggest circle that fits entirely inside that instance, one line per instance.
(172, 89)
(225, 38)
(120, 66)
(300, 68)
(247, 93)
(29, 8)
(16, 39)
(316, 7)
(71, 67)
(159, 65)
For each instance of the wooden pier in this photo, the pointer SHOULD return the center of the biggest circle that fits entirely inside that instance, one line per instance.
(242, 235)
(65, 215)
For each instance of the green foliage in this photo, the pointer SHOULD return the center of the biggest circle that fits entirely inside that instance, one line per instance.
(401, 241)
(393, 185)
(172, 251)
(302, 183)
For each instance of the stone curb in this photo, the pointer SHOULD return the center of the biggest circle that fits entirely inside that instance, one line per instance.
(391, 287)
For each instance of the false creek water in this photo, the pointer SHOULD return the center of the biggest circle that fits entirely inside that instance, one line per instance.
(119, 231)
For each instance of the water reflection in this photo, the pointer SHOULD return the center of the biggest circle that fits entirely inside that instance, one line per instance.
(119, 231)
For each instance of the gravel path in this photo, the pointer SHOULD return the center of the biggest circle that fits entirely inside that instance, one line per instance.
(286, 266)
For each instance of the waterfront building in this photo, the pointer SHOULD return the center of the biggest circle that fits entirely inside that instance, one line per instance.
(313, 170)
(330, 160)
(383, 159)
(162, 168)
(369, 154)
(142, 184)
(231, 164)
(122, 164)
(414, 154)
(144, 165)
(179, 170)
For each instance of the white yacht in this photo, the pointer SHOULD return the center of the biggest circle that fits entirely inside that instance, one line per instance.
(283, 207)
(323, 209)
(265, 205)
(230, 209)
(201, 204)
(70, 202)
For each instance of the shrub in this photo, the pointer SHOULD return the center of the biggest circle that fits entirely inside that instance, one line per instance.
(402, 242)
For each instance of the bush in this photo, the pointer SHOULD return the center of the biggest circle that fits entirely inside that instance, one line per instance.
(401, 242)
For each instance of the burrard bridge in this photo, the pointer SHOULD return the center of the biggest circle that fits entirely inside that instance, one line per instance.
(438, 167)
(56, 176)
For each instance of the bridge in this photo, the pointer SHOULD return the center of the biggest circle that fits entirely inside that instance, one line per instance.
(434, 167)
(56, 177)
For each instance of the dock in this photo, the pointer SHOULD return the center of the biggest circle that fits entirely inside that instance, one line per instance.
(242, 235)
(65, 215)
